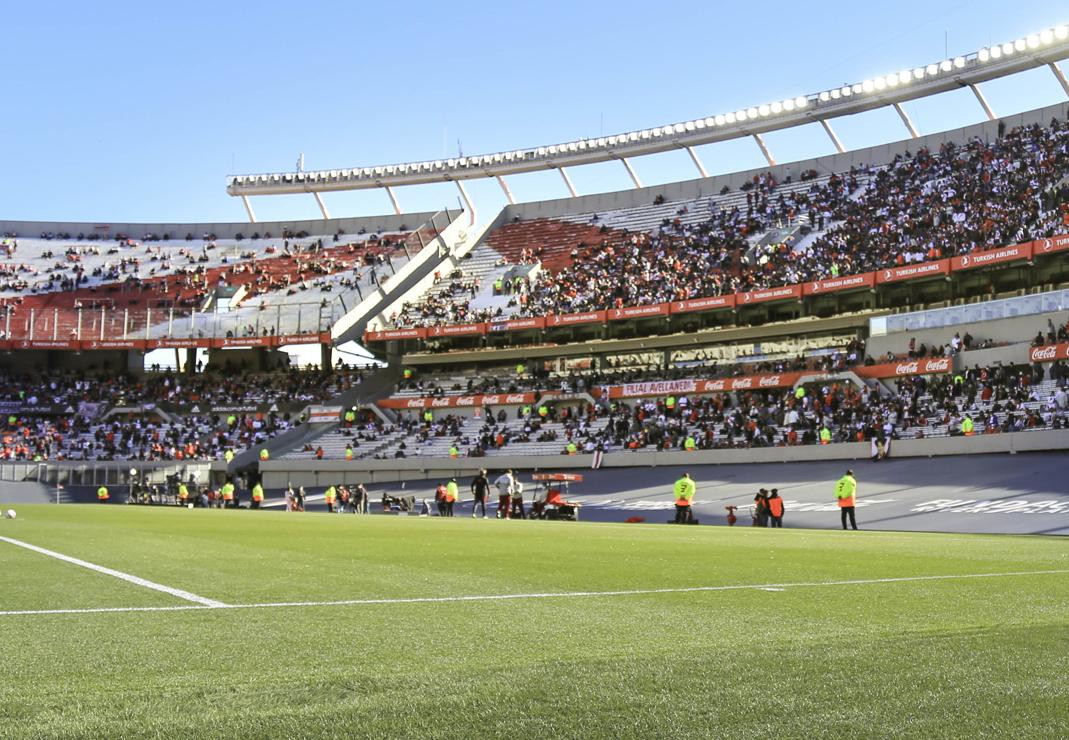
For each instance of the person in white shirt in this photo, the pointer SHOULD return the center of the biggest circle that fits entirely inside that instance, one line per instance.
(516, 500)
(504, 485)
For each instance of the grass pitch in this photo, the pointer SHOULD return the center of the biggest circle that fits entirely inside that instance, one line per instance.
(960, 657)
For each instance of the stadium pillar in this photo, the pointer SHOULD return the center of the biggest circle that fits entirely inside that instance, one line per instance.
(905, 119)
(631, 171)
(191, 360)
(393, 199)
(568, 182)
(467, 202)
(248, 209)
(764, 149)
(505, 189)
(697, 162)
(324, 357)
(833, 136)
(322, 206)
(1060, 76)
(983, 101)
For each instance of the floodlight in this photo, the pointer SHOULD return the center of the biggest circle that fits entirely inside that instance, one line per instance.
(801, 101)
(1061, 32)
(1020, 44)
(764, 109)
(835, 94)
(788, 104)
(856, 88)
(777, 107)
(655, 132)
(751, 113)
(1007, 48)
(553, 149)
(847, 91)
(983, 55)
(710, 121)
(1032, 41)
(918, 73)
(959, 62)
(691, 125)
(573, 147)
(720, 119)
(1046, 36)
(666, 130)
(996, 52)
(730, 118)
(879, 83)
(824, 97)
(904, 77)
(868, 86)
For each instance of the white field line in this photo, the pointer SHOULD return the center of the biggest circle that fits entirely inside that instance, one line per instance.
(185, 595)
(547, 595)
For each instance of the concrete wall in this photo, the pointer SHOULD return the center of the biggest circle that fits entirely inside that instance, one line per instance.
(279, 473)
(1018, 329)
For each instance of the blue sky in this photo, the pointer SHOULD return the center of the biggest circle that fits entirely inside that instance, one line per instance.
(125, 111)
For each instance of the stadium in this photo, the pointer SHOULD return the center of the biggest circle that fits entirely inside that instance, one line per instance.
(774, 451)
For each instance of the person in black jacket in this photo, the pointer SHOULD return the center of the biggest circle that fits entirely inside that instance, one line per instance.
(480, 489)
(760, 508)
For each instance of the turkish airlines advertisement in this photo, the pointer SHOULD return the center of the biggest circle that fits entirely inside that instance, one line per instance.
(845, 282)
(704, 304)
(570, 319)
(992, 257)
(637, 312)
(915, 270)
(1049, 246)
(783, 292)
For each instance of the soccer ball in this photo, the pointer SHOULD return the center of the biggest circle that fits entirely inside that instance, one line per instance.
(10, 513)
(189, 506)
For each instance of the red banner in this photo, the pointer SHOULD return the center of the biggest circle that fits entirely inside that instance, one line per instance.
(474, 401)
(769, 294)
(1049, 246)
(93, 344)
(567, 319)
(992, 257)
(242, 342)
(46, 344)
(906, 367)
(382, 336)
(683, 387)
(178, 343)
(457, 330)
(916, 270)
(637, 312)
(704, 304)
(531, 322)
(844, 282)
(1049, 353)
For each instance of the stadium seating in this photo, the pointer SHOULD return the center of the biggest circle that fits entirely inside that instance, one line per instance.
(120, 284)
(924, 205)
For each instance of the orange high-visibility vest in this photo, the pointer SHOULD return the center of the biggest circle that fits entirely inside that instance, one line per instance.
(775, 506)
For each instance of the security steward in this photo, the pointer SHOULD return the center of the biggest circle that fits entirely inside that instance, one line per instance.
(102, 495)
(452, 493)
(845, 492)
(684, 494)
(257, 495)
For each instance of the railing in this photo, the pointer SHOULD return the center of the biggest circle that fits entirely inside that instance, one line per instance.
(937, 318)
(92, 473)
(87, 328)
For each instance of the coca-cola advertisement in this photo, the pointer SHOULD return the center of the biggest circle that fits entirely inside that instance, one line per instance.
(1050, 353)
(928, 366)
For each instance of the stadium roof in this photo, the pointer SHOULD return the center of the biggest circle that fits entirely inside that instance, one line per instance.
(1036, 50)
